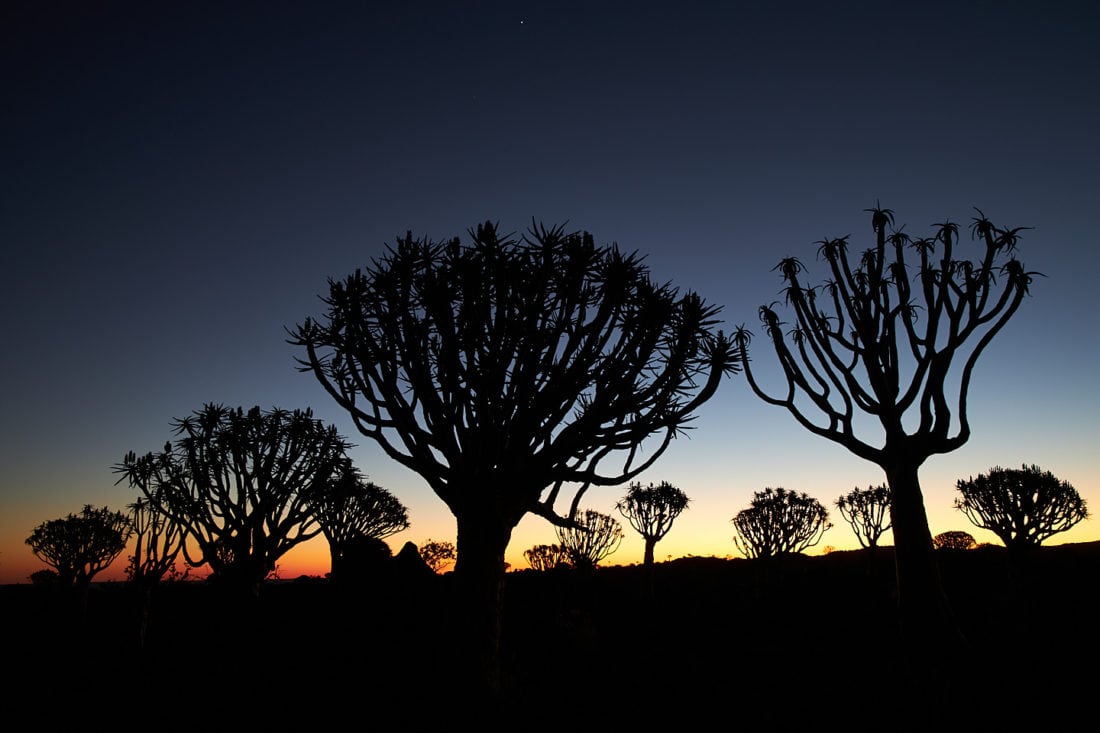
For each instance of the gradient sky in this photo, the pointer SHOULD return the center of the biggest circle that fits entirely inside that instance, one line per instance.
(181, 178)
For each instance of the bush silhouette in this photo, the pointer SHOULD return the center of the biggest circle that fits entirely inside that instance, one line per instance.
(954, 540)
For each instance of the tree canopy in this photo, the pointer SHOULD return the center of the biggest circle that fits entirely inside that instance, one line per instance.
(868, 512)
(779, 522)
(595, 537)
(244, 486)
(79, 546)
(1022, 506)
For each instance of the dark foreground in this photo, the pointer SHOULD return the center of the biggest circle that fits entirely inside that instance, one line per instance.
(711, 644)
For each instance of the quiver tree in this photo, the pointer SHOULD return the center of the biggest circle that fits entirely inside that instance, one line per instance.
(651, 510)
(243, 486)
(79, 546)
(354, 510)
(507, 371)
(590, 539)
(779, 522)
(545, 557)
(880, 337)
(158, 540)
(1023, 506)
(867, 511)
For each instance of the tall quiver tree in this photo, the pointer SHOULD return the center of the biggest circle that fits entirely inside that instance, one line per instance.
(243, 486)
(882, 337)
(507, 370)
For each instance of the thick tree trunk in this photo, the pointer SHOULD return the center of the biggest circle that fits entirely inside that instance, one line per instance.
(932, 640)
(479, 579)
(650, 543)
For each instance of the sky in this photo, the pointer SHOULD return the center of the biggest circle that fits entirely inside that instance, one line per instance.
(181, 180)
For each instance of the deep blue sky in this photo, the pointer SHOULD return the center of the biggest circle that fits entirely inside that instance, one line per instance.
(181, 178)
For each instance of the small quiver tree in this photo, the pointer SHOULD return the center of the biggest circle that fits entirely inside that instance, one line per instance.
(868, 512)
(593, 537)
(352, 513)
(651, 511)
(1023, 506)
(158, 539)
(157, 542)
(779, 522)
(80, 546)
(545, 557)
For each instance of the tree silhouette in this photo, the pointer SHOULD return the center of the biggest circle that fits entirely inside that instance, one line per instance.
(354, 509)
(545, 557)
(593, 537)
(779, 522)
(504, 371)
(45, 576)
(437, 554)
(882, 338)
(651, 510)
(158, 540)
(954, 540)
(79, 546)
(241, 485)
(1023, 507)
(867, 511)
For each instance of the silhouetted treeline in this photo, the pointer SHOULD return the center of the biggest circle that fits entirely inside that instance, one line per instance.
(784, 641)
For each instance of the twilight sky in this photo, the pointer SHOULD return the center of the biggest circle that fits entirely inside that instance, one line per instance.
(181, 178)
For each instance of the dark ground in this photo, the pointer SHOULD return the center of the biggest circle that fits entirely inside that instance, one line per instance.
(719, 644)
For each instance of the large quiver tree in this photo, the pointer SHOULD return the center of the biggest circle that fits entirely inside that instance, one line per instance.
(506, 369)
(880, 338)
